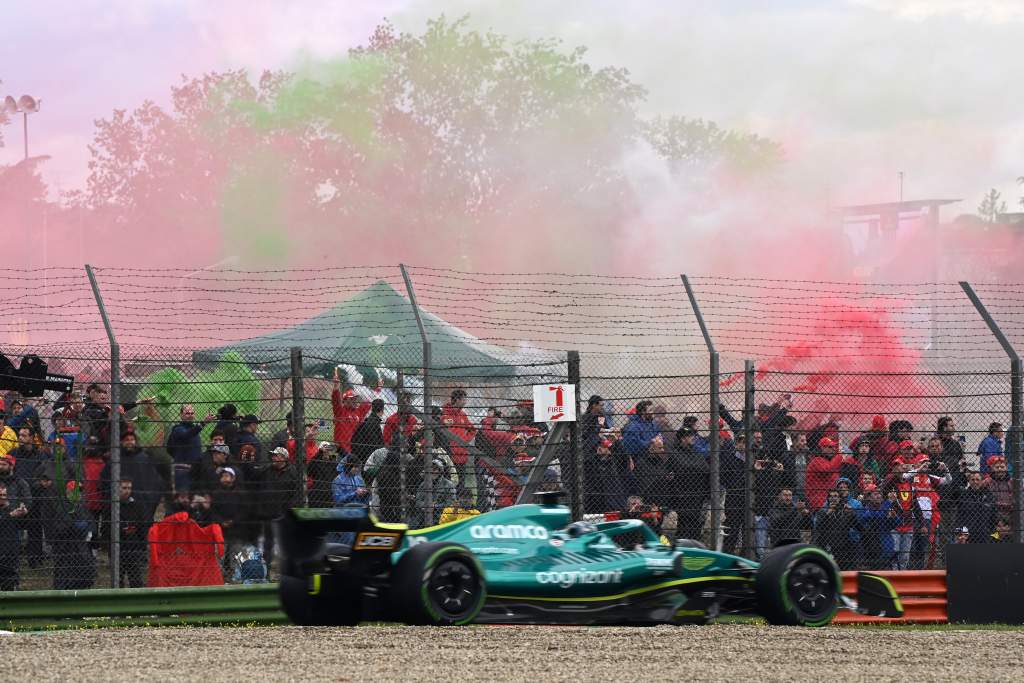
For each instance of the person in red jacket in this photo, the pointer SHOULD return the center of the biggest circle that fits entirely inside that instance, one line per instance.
(349, 411)
(454, 418)
(409, 423)
(822, 472)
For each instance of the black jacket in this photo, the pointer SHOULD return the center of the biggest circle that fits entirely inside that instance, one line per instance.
(234, 510)
(368, 437)
(279, 491)
(148, 486)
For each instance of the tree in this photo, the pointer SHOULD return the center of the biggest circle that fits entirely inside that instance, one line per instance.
(991, 206)
(410, 145)
(1020, 181)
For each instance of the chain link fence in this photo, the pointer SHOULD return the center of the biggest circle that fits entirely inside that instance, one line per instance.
(883, 468)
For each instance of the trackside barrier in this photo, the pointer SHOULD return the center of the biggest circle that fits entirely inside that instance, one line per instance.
(923, 594)
(255, 604)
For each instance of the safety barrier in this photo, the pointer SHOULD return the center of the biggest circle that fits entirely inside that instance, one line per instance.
(255, 604)
(923, 594)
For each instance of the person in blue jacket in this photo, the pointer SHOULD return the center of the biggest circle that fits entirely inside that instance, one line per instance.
(991, 445)
(640, 430)
(348, 486)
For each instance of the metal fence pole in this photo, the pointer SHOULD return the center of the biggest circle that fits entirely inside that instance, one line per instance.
(748, 472)
(715, 484)
(115, 435)
(400, 445)
(575, 471)
(299, 421)
(428, 420)
(1013, 435)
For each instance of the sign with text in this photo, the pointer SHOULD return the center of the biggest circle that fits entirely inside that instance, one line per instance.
(554, 403)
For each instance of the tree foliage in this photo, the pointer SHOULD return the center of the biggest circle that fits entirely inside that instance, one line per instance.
(991, 206)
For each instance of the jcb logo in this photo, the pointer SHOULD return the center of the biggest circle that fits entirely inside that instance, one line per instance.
(375, 541)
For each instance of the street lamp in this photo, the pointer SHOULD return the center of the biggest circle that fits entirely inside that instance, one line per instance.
(24, 105)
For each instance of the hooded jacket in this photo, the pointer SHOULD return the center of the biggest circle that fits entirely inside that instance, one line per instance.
(638, 434)
(343, 489)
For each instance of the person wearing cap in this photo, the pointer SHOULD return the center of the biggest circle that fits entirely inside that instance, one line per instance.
(235, 511)
(320, 472)
(408, 421)
(147, 485)
(349, 411)
(900, 431)
(203, 476)
(976, 507)
(823, 471)
(604, 488)
(522, 465)
(279, 490)
(962, 535)
(247, 426)
(591, 425)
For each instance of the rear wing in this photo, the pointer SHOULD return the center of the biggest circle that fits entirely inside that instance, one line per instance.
(308, 535)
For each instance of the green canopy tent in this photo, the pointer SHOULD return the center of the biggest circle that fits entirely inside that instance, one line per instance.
(375, 328)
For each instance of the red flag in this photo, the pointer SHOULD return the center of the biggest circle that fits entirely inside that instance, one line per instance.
(182, 553)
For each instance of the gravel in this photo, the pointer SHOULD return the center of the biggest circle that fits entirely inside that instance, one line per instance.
(516, 653)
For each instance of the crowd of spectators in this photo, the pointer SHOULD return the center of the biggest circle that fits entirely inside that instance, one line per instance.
(196, 504)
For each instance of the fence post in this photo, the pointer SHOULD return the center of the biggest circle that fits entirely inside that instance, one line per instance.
(1013, 435)
(749, 535)
(715, 483)
(575, 473)
(299, 421)
(428, 420)
(115, 435)
(400, 445)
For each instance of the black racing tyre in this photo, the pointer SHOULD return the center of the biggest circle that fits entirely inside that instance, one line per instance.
(439, 584)
(319, 601)
(798, 585)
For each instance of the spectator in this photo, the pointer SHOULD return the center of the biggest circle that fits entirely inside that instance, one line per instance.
(873, 437)
(11, 515)
(925, 480)
(769, 479)
(951, 450)
(147, 485)
(369, 436)
(592, 423)
(285, 437)
(65, 434)
(443, 495)
(788, 518)
(28, 453)
(822, 472)
(877, 520)
(990, 446)
(732, 467)
(976, 508)
(865, 462)
(204, 475)
(235, 511)
(280, 490)
(403, 416)
(832, 527)
(1003, 532)
(604, 488)
(201, 509)
(247, 427)
(795, 462)
(900, 431)
(184, 445)
(693, 485)
(639, 431)
(1000, 484)
(454, 418)
(45, 510)
(464, 510)
(227, 425)
(320, 472)
(700, 443)
(8, 436)
(134, 532)
(962, 536)
(348, 411)
(348, 486)
(19, 492)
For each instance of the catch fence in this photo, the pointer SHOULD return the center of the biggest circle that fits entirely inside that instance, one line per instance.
(430, 434)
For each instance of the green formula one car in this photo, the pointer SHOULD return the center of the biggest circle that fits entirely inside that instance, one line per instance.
(530, 564)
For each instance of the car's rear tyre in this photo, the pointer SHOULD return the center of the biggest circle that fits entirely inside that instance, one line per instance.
(319, 601)
(798, 585)
(440, 584)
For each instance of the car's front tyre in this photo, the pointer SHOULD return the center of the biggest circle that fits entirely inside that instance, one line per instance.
(798, 585)
(439, 584)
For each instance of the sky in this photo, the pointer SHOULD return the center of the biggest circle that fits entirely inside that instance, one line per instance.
(855, 91)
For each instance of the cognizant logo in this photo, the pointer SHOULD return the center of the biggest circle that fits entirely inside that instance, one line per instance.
(567, 579)
(508, 531)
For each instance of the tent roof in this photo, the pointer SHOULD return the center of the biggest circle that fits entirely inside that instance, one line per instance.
(375, 328)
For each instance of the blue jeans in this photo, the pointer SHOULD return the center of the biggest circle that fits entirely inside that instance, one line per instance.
(761, 540)
(901, 544)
